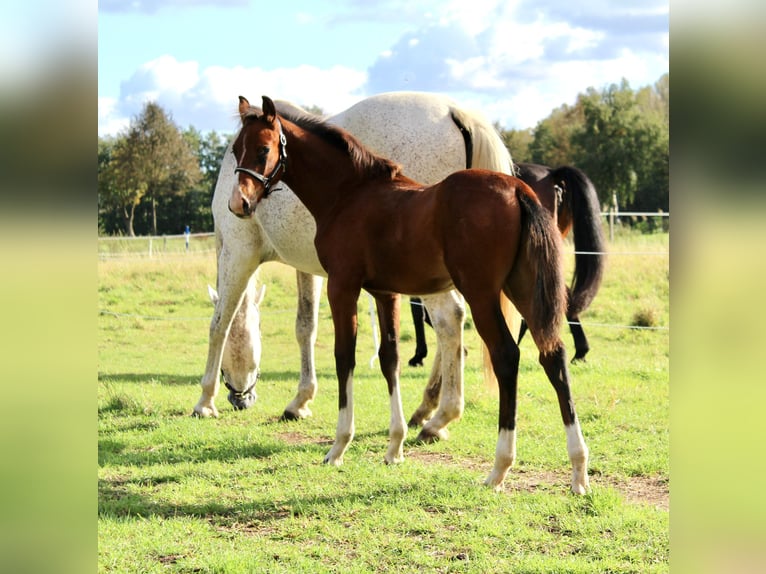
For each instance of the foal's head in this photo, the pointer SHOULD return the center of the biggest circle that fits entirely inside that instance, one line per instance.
(261, 154)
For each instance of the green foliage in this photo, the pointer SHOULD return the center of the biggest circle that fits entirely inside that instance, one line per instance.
(619, 137)
(517, 142)
(151, 162)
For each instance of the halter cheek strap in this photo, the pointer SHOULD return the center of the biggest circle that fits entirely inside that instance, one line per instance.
(281, 166)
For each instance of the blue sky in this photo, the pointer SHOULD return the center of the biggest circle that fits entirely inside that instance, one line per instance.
(513, 60)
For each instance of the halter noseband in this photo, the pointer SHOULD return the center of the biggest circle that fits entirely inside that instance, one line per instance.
(240, 394)
(282, 165)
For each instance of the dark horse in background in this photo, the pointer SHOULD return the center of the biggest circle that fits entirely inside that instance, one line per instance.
(567, 193)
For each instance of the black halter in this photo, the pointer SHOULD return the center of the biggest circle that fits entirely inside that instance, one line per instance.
(239, 394)
(282, 165)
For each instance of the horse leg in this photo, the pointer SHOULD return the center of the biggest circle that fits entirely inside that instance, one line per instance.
(504, 354)
(421, 348)
(522, 330)
(343, 305)
(580, 340)
(555, 366)
(309, 288)
(447, 313)
(233, 275)
(431, 394)
(388, 353)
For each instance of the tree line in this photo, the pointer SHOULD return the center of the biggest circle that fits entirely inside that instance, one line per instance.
(155, 178)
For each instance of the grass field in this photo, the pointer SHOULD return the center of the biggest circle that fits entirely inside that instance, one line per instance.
(247, 493)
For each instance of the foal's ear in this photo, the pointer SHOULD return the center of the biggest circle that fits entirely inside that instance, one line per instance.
(244, 107)
(269, 109)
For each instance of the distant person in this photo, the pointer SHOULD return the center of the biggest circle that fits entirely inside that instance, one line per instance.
(187, 235)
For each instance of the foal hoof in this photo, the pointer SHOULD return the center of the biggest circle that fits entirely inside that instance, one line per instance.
(416, 361)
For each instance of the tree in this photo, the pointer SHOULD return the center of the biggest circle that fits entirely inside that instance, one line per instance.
(151, 162)
(618, 145)
(168, 162)
(552, 142)
(120, 184)
(517, 142)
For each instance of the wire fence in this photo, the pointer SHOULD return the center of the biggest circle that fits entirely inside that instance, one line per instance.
(168, 247)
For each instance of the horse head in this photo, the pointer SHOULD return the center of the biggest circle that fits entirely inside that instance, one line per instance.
(242, 352)
(259, 149)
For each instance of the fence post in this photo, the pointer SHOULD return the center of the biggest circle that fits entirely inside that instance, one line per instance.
(613, 210)
(150, 248)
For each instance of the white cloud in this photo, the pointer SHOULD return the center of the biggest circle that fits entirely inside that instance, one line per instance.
(108, 121)
(207, 98)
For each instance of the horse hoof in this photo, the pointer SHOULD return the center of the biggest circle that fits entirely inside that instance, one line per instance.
(430, 437)
(398, 459)
(205, 412)
(288, 416)
(416, 361)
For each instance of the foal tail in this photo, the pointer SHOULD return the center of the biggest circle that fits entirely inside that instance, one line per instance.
(582, 200)
(543, 252)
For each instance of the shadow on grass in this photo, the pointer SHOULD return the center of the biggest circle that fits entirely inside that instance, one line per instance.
(163, 379)
(118, 498)
(175, 379)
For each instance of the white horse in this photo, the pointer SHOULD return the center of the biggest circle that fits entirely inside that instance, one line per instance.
(431, 137)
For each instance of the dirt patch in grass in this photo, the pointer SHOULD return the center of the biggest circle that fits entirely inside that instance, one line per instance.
(650, 490)
(294, 438)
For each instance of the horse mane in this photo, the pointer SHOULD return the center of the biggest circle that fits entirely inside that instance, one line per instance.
(365, 162)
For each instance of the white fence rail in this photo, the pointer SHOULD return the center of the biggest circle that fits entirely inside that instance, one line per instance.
(204, 243)
(156, 246)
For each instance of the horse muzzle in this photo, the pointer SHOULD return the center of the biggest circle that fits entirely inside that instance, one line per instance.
(241, 206)
(241, 400)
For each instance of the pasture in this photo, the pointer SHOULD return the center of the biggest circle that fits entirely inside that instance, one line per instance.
(248, 493)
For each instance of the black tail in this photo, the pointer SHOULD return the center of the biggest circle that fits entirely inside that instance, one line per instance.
(581, 198)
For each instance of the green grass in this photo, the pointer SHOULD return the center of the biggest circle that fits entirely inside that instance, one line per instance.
(247, 493)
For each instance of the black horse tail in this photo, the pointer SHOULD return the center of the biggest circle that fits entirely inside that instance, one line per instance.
(590, 247)
(544, 248)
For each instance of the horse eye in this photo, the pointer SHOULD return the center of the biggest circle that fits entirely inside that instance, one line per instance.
(263, 154)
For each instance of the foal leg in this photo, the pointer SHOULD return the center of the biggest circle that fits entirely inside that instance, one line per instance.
(504, 353)
(447, 312)
(388, 353)
(555, 366)
(343, 304)
(309, 288)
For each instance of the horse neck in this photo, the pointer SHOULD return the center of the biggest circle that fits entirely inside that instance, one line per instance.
(316, 172)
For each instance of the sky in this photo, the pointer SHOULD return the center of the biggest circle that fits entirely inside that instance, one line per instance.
(513, 60)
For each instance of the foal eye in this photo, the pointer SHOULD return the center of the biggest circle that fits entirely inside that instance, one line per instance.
(263, 154)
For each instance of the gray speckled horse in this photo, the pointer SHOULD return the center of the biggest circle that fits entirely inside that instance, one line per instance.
(431, 137)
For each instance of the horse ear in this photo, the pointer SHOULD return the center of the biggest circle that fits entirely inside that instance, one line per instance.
(269, 109)
(244, 106)
(259, 295)
(213, 294)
